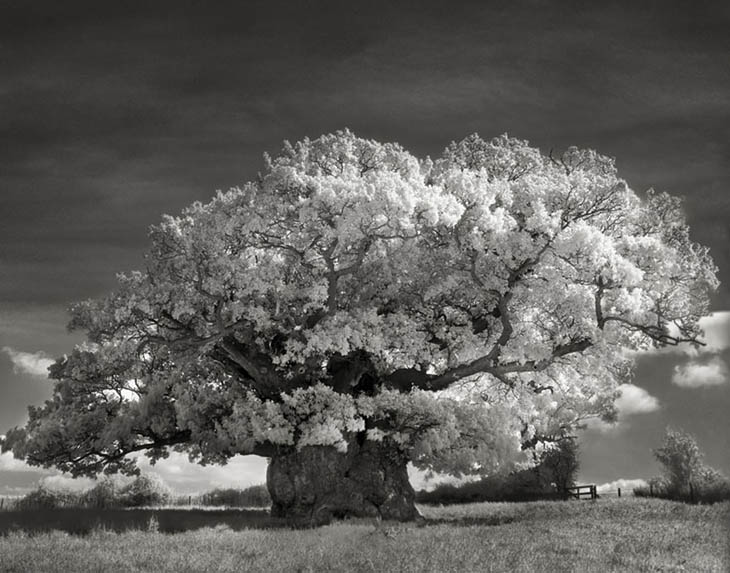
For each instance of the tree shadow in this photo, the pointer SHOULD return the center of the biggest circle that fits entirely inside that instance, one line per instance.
(489, 520)
(83, 521)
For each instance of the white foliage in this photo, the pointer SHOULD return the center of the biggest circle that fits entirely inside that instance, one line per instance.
(524, 278)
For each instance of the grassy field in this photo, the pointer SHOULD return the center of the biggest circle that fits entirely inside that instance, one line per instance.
(608, 535)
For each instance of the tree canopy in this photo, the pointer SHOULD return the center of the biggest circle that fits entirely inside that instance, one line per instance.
(466, 309)
(681, 457)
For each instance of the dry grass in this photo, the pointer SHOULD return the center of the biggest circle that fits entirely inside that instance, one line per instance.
(609, 535)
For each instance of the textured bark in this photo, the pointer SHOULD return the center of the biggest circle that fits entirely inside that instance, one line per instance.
(317, 483)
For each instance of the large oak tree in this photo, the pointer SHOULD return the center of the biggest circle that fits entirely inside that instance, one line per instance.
(355, 308)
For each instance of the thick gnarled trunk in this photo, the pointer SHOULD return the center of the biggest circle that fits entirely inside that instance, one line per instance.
(316, 483)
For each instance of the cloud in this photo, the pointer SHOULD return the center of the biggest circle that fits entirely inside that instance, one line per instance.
(626, 485)
(428, 480)
(717, 331)
(65, 482)
(633, 400)
(33, 363)
(10, 464)
(184, 476)
(696, 374)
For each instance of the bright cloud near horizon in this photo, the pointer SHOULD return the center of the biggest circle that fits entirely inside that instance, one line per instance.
(176, 471)
(10, 464)
(627, 485)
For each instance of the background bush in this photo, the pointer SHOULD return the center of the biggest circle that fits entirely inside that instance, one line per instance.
(685, 478)
(253, 496)
(143, 491)
(549, 479)
(103, 495)
(45, 498)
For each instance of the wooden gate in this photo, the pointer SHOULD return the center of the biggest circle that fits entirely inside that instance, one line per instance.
(583, 492)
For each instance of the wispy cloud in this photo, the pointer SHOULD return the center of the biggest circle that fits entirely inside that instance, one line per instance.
(696, 374)
(33, 363)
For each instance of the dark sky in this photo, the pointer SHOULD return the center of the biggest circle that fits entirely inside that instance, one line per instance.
(114, 113)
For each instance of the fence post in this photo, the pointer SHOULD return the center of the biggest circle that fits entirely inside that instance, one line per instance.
(691, 493)
(190, 500)
(619, 492)
(2, 501)
(651, 490)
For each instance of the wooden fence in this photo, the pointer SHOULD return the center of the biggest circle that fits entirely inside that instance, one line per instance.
(590, 492)
(582, 492)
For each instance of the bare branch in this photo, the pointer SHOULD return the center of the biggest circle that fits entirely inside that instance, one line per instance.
(655, 332)
(487, 365)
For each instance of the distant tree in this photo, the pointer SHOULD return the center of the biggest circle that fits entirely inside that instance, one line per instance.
(681, 457)
(560, 464)
(44, 497)
(104, 494)
(354, 309)
(686, 477)
(252, 496)
(145, 490)
(554, 472)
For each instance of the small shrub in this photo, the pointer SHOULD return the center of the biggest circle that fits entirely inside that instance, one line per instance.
(153, 525)
(712, 490)
(104, 494)
(145, 490)
(45, 498)
(686, 477)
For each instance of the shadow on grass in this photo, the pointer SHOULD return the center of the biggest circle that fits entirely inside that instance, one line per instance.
(82, 521)
(470, 521)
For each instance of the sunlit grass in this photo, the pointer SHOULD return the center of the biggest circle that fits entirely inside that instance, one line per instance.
(608, 535)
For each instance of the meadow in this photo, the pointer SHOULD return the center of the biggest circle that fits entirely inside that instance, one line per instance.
(627, 534)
